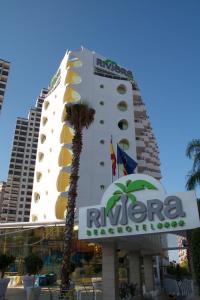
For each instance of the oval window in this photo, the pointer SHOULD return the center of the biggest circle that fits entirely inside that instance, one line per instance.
(34, 218)
(42, 138)
(38, 176)
(40, 156)
(124, 144)
(121, 89)
(123, 124)
(44, 120)
(46, 104)
(122, 105)
(36, 197)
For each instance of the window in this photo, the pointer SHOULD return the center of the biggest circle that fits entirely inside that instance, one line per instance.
(123, 124)
(122, 105)
(101, 121)
(101, 86)
(42, 138)
(36, 197)
(44, 120)
(102, 142)
(46, 104)
(101, 103)
(102, 187)
(40, 156)
(34, 218)
(121, 89)
(38, 176)
(124, 144)
(102, 163)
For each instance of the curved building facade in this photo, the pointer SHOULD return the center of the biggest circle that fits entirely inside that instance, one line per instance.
(120, 113)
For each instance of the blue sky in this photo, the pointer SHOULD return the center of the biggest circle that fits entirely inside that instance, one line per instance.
(158, 40)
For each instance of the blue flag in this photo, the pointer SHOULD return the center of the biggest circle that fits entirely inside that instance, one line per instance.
(128, 163)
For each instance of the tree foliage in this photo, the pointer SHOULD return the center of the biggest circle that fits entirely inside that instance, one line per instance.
(80, 116)
(5, 261)
(33, 264)
(194, 240)
(193, 152)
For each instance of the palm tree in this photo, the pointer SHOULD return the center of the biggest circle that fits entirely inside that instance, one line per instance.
(79, 116)
(193, 151)
(193, 180)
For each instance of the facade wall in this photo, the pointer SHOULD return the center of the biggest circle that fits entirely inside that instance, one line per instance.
(78, 79)
(4, 71)
(2, 191)
(17, 197)
(77, 72)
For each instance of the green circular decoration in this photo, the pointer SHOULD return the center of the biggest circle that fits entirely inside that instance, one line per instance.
(174, 224)
(159, 225)
(166, 224)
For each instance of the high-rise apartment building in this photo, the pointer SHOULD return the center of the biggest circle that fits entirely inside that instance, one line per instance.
(17, 197)
(146, 145)
(2, 191)
(182, 252)
(4, 71)
(120, 112)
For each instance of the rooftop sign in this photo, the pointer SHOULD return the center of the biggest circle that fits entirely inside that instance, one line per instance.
(112, 67)
(137, 204)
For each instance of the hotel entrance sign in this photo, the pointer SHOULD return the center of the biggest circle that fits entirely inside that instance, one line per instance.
(137, 204)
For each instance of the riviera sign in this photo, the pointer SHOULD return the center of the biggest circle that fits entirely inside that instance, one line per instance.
(137, 204)
(112, 67)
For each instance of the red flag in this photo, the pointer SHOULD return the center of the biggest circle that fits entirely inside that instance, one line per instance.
(113, 158)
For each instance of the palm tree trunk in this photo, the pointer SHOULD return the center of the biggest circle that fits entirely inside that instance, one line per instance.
(72, 194)
(191, 262)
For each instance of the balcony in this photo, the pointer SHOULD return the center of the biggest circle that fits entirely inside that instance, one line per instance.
(139, 108)
(141, 163)
(140, 144)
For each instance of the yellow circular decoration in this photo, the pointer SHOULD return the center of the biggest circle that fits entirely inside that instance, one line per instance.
(62, 181)
(71, 95)
(65, 157)
(66, 135)
(60, 207)
(72, 78)
(74, 63)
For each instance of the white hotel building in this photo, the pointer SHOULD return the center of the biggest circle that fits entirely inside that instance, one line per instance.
(120, 113)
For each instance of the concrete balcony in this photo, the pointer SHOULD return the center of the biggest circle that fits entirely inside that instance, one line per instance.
(154, 174)
(139, 124)
(141, 163)
(139, 108)
(140, 144)
(146, 155)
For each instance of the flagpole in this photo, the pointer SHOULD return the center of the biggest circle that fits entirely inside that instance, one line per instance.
(117, 166)
(111, 165)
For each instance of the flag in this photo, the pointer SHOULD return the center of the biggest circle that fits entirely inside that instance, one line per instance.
(113, 158)
(128, 163)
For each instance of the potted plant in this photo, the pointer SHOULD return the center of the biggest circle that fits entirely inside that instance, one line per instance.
(33, 265)
(5, 262)
(127, 291)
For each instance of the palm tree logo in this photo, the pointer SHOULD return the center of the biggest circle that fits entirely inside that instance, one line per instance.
(125, 192)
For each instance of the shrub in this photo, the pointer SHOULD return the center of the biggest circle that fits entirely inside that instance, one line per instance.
(33, 264)
(5, 261)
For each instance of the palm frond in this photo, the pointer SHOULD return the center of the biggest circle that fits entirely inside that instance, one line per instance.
(80, 115)
(196, 162)
(193, 147)
(193, 180)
